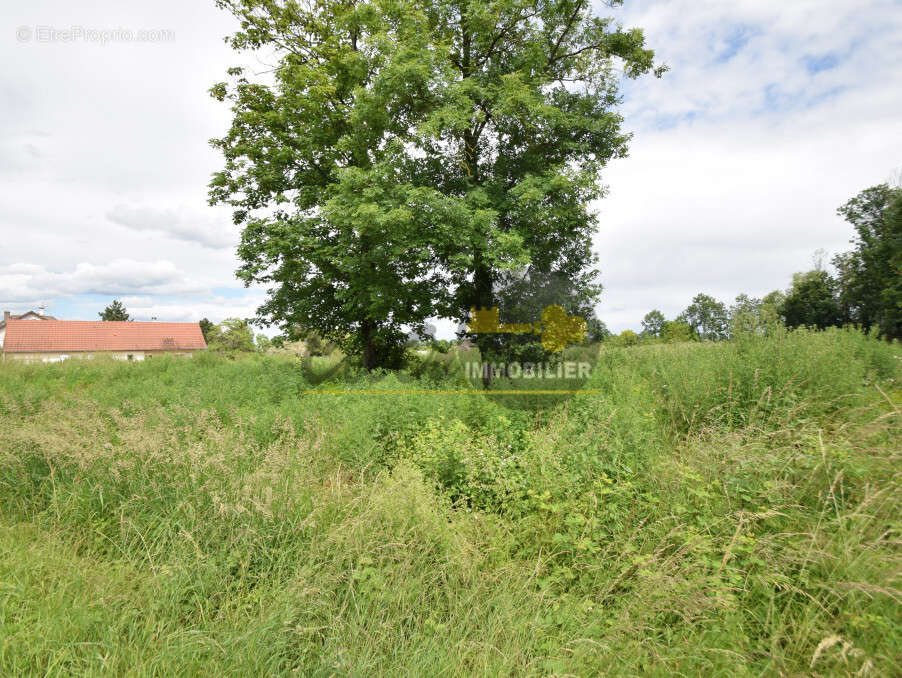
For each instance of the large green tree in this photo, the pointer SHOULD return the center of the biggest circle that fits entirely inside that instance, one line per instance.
(403, 154)
(870, 276)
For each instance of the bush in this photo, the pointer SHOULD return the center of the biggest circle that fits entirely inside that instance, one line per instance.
(627, 338)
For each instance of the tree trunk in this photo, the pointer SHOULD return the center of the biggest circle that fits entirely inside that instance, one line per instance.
(368, 332)
(483, 298)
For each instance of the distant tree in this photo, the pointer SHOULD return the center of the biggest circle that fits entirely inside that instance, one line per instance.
(440, 345)
(206, 328)
(744, 314)
(653, 323)
(772, 305)
(675, 331)
(627, 338)
(750, 315)
(263, 342)
(596, 330)
(232, 334)
(747, 316)
(707, 317)
(812, 301)
(114, 312)
(869, 287)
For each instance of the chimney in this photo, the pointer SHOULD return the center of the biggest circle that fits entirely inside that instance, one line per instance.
(6, 316)
(41, 309)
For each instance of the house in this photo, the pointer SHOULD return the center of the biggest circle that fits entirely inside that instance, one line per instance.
(30, 315)
(58, 340)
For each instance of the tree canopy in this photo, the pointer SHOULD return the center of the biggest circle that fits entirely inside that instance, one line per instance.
(115, 311)
(232, 334)
(404, 154)
(206, 328)
(653, 323)
(675, 331)
(870, 276)
(812, 301)
(708, 318)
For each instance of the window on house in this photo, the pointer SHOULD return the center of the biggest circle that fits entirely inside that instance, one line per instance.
(131, 357)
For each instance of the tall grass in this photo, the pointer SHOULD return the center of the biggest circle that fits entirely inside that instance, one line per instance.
(729, 509)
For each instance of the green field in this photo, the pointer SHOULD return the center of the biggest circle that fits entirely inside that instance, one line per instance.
(727, 509)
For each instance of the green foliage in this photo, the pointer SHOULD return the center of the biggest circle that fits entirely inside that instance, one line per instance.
(755, 316)
(627, 338)
(596, 330)
(262, 342)
(232, 334)
(207, 329)
(674, 331)
(707, 317)
(409, 153)
(812, 301)
(869, 276)
(441, 345)
(316, 345)
(653, 323)
(700, 509)
(772, 305)
(523, 296)
(114, 312)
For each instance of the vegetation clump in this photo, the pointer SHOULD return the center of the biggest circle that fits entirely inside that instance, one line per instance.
(725, 508)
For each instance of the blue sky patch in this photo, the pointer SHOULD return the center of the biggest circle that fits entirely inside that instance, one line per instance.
(824, 62)
(734, 41)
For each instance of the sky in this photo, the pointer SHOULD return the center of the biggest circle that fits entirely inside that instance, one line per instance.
(772, 114)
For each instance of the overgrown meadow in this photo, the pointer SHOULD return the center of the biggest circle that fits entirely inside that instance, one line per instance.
(724, 509)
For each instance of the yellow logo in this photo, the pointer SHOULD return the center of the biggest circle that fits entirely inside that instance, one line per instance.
(557, 328)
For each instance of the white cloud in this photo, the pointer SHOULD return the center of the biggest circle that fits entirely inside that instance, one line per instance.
(181, 224)
(726, 56)
(32, 283)
(215, 308)
(741, 153)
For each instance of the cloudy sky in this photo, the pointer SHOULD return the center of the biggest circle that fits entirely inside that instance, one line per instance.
(773, 113)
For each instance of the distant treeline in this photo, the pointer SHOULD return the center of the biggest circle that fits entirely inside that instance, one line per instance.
(866, 289)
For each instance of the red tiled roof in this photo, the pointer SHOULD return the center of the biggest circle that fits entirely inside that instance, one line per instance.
(27, 336)
(33, 314)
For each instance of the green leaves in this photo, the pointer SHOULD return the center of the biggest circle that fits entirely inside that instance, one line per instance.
(707, 317)
(403, 153)
(869, 276)
(115, 311)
